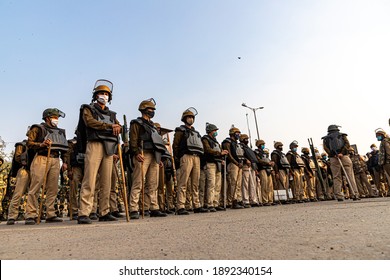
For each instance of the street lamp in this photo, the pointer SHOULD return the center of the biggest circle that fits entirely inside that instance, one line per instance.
(254, 113)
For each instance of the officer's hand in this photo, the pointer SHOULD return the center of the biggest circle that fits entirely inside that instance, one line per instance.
(272, 163)
(116, 158)
(140, 158)
(240, 165)
(64, 167)
(46, 143)
(116, 129)
(70, 174)
(224, 152)
(277, 176)
(161, 165)
(340, 155)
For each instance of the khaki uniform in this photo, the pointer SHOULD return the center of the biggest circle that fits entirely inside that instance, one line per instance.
(97, 160)
(189, 166)
(360, 172)
(384, 159)
(3, 185)
(335, 166)
(149, 168)
(281, 168)
(265, 175)
(37, 173)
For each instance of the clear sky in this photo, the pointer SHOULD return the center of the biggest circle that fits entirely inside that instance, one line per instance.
(309, 63)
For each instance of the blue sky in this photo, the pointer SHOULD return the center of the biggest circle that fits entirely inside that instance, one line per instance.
(309, 63)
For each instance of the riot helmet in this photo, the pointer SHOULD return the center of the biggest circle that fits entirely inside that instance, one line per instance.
(52, 112)
(210, 127)
(190, 112)
(333, 127)
(102, 85)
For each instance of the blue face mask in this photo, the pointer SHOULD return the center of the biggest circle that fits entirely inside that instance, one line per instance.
(379, 137)
(215, 134)
(325, 158)
(294, 149)
(262, 147)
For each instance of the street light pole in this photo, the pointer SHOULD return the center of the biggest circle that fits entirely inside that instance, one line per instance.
(254, 113)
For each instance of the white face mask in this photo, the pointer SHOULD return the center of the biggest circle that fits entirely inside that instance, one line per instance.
(54, 122)
(103, 99)
(373, 149)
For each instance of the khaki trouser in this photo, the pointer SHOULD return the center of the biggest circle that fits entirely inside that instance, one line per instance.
(337, 176)
(249, 186)
(74, 188)
(22, 183)
(189, 169)
(203, 187)
(235, 182)
(267, 187)
(150, 172)
(298, 184)
(283, 182)
(364, 187)
(214, 182)
(113, 190)
(165, 191)
(37, 173)
(96, 161)
(386, 174)
(311, 191)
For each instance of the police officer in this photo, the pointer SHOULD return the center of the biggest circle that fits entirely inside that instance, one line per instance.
(310, 175)
(21, 166)
(360, 171)
(336, 145)
(213, 155)
(235, 161)
(40, 137)
(3, 185)
(282, 168)
(297, 171)
(146, 148)
(101, 129)
(384, 153)
(251, 188)
(187, 149)
(265, 173)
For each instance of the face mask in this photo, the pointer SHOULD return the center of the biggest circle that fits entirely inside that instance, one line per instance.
(237, 136)
(325, 158)
(103, 99)
(246, 142)
(294, 149)
(379, 138)
(215, 134)
(54, 122)
(318, 155)
(280, 148)
(262, 147)
(150, 114)
(373, 149)
(190, 121)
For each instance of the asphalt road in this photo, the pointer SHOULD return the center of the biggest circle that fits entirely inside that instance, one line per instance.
(356, 230)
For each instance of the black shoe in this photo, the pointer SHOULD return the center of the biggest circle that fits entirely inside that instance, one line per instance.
(170, 212)
(190, 210)
(84, 220)
(107, 218)
(54, 219)
(93, 216)
(182, 211)
(237, 206)
(157, 213)
(220, 208)
(75, 217)
(212, 209)
(146, 213)
(340, 199)
(134, 215)
(11, 222)
(43, 217)
(116, 214)
(30, 221)
(247, 205)
(201, 210)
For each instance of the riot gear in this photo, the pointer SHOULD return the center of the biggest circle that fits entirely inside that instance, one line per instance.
(147, 104)
(52, 112)
(102, 85)
(333, 128)
(190, 112)
(210, 127)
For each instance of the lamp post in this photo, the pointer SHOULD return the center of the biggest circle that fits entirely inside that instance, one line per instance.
(254, 113)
